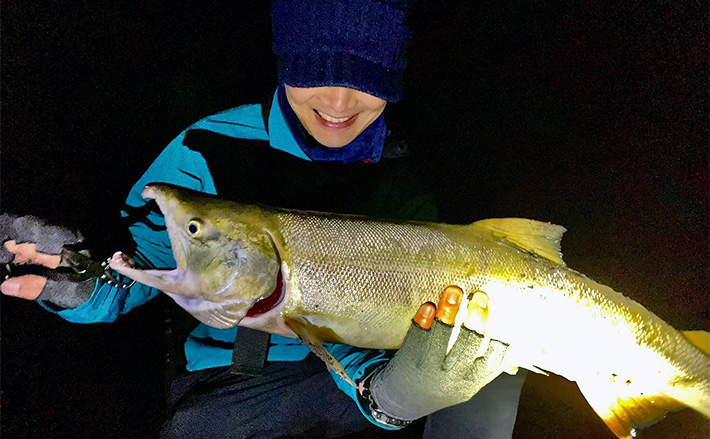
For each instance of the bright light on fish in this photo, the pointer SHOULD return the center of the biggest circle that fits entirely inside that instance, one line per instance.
(359, 281)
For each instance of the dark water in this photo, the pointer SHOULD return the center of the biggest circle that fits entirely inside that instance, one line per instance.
(594, 117)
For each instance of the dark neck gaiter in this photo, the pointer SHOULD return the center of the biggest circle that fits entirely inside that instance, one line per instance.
(365, 147)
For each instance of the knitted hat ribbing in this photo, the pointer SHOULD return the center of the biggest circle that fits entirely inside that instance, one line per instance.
(359, 44)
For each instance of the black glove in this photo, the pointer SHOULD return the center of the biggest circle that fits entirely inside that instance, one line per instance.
(65, 288)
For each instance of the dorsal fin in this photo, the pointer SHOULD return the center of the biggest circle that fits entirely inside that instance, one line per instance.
(534, 236)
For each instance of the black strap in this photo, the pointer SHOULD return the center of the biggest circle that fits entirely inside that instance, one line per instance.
(251, 346)
(249, 354)
(265, 111)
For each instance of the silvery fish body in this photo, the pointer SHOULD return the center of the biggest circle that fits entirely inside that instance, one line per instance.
(359, 281)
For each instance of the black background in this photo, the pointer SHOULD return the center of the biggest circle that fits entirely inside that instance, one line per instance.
(594, 117)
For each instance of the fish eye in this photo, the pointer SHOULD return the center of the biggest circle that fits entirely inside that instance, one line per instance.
(194, 227)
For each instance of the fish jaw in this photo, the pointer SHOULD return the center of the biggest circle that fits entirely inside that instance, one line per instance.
(168, 281)
(226, 261)
(175, 284)
(221, 315)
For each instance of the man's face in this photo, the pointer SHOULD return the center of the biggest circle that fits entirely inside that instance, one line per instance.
(334, 116)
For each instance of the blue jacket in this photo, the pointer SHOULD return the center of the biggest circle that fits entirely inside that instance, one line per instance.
(207, 347)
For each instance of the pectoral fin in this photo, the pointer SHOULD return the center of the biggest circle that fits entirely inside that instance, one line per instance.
(307, 333)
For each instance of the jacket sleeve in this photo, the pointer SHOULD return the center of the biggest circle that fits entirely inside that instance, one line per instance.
(176, 165)
(357, 362)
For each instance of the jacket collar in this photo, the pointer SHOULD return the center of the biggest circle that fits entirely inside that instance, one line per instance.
(280, 136)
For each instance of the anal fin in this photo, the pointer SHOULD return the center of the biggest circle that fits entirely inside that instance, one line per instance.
(623, 406)
(307, 334)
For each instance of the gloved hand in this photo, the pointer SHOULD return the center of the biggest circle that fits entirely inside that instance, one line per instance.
(422, 378)
(29, 240)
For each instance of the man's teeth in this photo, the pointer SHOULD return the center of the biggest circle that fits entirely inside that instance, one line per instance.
(333, 119)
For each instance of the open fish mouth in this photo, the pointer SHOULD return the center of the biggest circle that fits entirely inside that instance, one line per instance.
(164, 280)
(218, 280)
(178, 280)
(176, 283)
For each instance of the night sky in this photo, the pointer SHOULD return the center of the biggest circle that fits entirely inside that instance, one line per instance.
(594, 117)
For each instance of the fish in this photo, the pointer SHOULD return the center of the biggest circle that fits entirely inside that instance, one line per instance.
(325, 277)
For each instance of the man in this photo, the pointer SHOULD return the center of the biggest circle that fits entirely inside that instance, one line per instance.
(319, 143)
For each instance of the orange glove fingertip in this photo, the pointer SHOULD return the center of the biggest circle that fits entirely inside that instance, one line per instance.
(449, 305)
(425, 315)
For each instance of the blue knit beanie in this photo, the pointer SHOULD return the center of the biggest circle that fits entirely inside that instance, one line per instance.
(358, 44)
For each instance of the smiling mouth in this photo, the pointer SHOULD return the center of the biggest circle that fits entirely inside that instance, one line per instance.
(334, 122)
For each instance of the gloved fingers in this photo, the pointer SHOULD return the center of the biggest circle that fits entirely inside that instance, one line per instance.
(449, 305)
(427, 341)
(478, 308)
(28, 287)
(428, 337)
(48, 238)
(67, 294)
(464, 351)
(425, 315)
(496, 351)
(26, 253)
(468, 344)
(424, 348)
(435, 344)
(463, 359)
(477, 312)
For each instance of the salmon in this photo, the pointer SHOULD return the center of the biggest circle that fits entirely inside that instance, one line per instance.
(326, 277)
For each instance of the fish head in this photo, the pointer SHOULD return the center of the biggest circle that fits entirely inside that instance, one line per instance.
(226, 261)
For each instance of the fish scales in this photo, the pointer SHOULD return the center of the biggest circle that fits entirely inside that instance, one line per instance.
(522, 283)
(363, 262)
(344, 258)
(359, 281)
